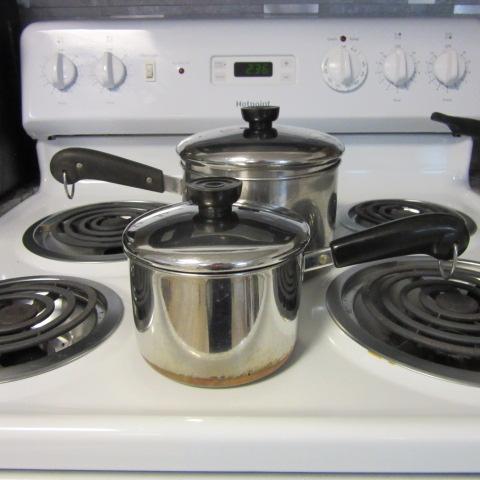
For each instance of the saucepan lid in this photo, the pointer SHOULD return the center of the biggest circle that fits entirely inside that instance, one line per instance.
(209, 234)
(261, 145)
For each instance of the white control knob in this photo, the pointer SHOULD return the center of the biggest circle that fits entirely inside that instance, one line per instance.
(110, 71)
(62, 72)
(449, 67)
(344, 68)
(398, 67)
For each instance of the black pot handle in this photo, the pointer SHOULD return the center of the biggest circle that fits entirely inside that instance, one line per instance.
(71, 165)
(431, 233)
(458, 125)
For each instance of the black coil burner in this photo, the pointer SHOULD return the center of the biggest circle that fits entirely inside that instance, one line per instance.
(375, 212)
(46, 322)
(87, 233)
(407, 312)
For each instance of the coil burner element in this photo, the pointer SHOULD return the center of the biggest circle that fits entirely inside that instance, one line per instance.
(46, 322)
(91, 233)
(407, 312)
(375, 212)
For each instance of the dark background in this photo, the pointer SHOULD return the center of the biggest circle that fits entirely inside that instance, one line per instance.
(18, 165)
(19, 174)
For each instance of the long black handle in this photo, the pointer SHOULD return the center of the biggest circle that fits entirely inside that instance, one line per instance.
(83, 163)
(431, 233)
(458, 125)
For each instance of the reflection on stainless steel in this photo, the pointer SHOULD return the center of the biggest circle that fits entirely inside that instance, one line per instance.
(280, 166)
(176, 238)
(46, 322)
(173, 184)
(407, 312)
(312, 196)
(217, 330)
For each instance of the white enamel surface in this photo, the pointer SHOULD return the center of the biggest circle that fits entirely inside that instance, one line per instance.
(449, 67)
(398, 67)
(334, 408)
(62, 72)
(110, 71)
(187, 102)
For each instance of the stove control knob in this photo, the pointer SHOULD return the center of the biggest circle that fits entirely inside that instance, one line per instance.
(62, 72)
(110, 71)
(398, 67)
(449, 68)
(344, 68)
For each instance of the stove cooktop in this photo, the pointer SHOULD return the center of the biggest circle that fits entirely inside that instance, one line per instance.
(112, 397)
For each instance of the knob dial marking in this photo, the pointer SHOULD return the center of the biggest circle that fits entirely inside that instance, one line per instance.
(61, 72)
(110, 71)
(449, 68)
(398, 68)
(344, 68)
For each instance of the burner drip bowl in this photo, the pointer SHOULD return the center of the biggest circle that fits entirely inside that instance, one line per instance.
(407, 312)
(375, 212)
(88, 233)
(46, 322)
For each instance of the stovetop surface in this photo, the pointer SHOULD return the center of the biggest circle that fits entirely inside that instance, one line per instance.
(335, 406)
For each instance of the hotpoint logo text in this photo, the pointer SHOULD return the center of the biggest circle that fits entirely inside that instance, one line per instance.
(249, 103)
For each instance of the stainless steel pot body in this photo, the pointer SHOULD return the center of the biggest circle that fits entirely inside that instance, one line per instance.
(216, 330)
(311, 194)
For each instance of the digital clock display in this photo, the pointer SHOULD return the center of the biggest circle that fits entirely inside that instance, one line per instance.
(253, 69)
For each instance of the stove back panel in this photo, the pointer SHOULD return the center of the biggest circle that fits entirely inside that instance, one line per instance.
(179, 74)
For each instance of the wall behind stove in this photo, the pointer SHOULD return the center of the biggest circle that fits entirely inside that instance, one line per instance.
(33, 10)
(18, 165)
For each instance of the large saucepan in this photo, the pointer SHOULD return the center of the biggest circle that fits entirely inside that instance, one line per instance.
(216, 287)
(290, 167)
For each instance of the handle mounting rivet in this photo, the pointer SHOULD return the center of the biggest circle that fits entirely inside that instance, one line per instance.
(149, 180)
(323, 259)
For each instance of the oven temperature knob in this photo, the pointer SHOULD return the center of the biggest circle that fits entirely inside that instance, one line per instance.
(62, 72)
(110, 71)
(449, 67)
(344, 68)
(398, 67)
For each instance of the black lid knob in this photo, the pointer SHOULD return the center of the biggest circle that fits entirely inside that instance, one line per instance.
(260, 121)
(214, 195)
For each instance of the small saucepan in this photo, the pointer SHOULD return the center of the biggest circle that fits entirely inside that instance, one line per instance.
(216, 286)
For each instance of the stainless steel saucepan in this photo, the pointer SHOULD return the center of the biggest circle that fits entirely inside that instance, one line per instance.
(281, 166)
(216, 285)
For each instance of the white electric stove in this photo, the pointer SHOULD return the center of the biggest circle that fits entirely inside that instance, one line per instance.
(135, 88)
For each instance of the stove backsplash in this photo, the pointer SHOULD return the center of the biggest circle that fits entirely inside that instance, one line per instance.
(34, 10)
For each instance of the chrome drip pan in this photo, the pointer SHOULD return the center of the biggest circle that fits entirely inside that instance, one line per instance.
(46, 322)
(406, 312)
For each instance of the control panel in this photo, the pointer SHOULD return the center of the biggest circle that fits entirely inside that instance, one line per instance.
(179, 76)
